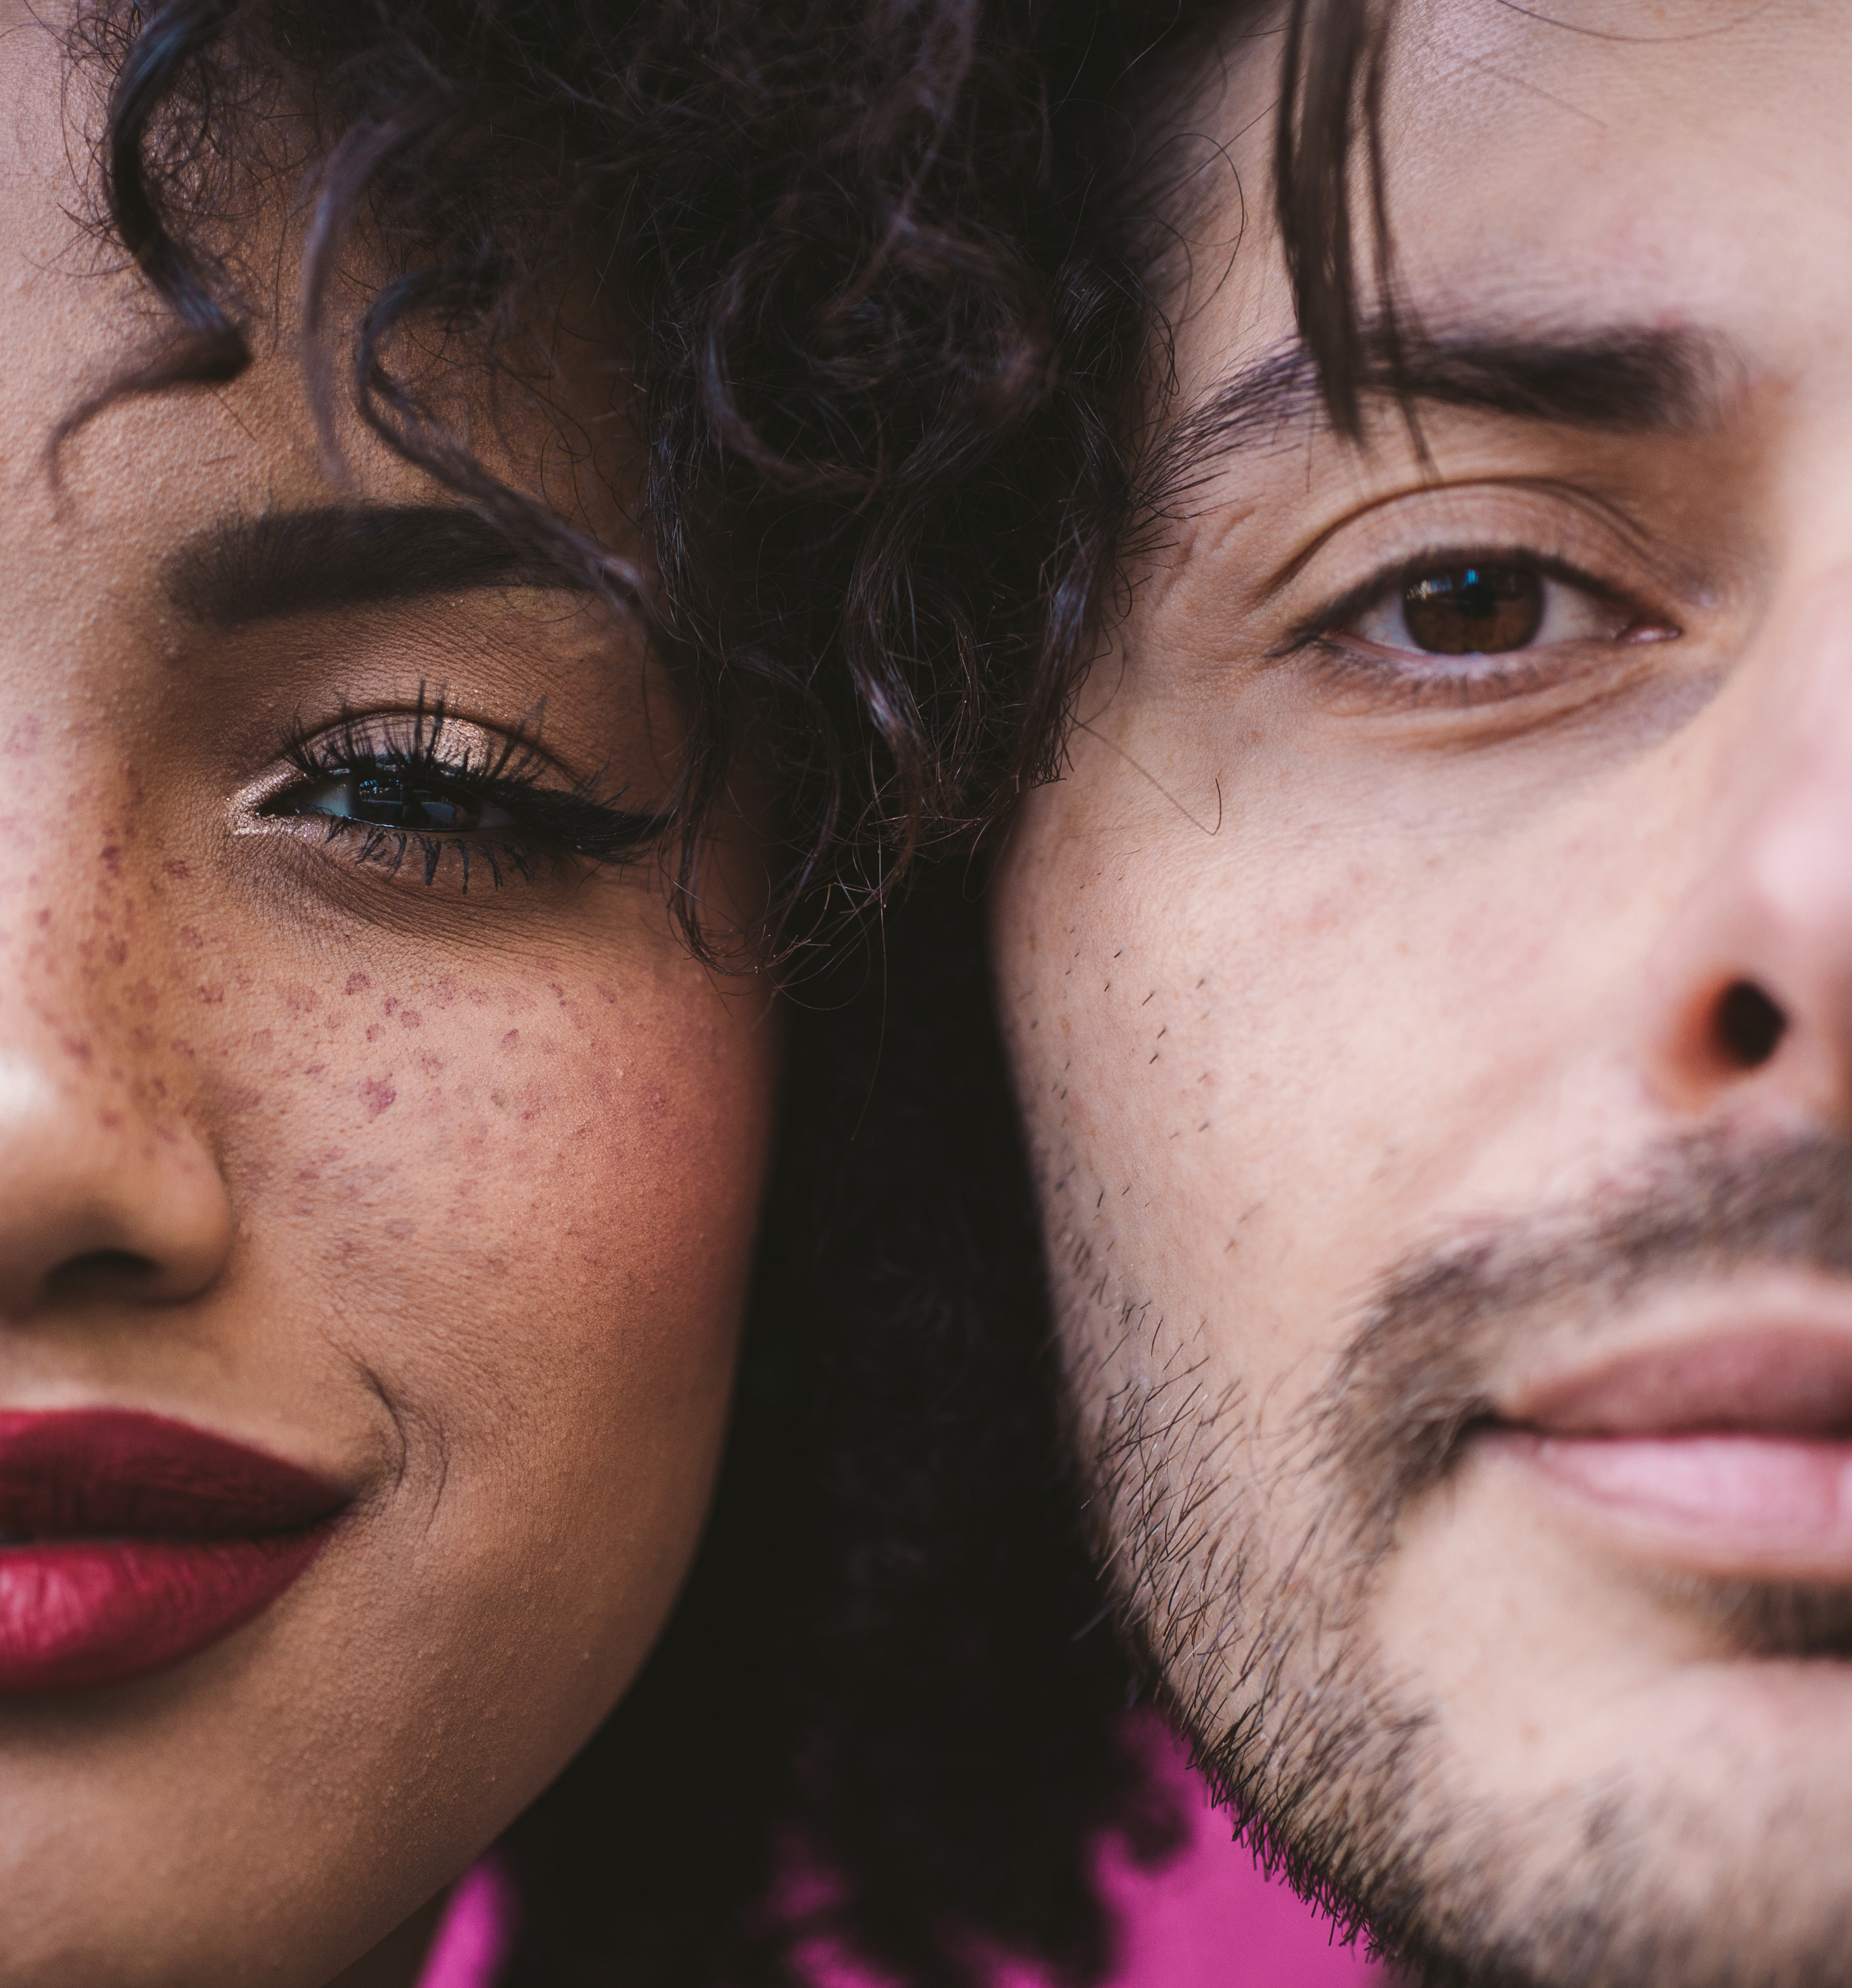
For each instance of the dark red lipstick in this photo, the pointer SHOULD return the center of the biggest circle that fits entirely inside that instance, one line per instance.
(129, 1542)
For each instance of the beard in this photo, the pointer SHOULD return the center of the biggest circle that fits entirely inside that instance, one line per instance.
(1245, 1573)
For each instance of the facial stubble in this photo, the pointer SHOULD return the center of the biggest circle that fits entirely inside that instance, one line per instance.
(1247, 1552)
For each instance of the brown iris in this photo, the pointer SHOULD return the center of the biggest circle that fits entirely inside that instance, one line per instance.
(1474, 610)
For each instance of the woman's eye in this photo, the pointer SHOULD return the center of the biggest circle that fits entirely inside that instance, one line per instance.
(391, 797)
(1483, 609)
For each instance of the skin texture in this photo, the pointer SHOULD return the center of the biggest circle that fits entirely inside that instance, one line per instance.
(448, 1197)
(1367, 1011)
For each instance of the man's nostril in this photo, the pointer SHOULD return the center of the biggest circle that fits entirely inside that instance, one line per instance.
(1749, 1025)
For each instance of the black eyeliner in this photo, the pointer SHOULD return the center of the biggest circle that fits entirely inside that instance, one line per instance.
(562, 821)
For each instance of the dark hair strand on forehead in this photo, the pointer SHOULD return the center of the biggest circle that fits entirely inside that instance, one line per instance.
(1334, 62)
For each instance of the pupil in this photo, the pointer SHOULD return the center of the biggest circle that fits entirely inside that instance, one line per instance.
(1474, 610)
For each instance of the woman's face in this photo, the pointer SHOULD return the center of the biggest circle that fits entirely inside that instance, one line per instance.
(346, 1116)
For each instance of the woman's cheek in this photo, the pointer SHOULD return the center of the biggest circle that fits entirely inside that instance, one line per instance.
(525, 1208)
(435, 1128)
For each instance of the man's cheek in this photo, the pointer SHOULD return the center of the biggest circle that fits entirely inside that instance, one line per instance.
(1381, 1017)
(1286, 1045)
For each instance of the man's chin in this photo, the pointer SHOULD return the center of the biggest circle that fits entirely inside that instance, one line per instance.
(1704, 1839)
(1645, 1886)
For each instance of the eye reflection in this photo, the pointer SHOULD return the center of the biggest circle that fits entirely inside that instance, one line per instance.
(1481, 608)
(1474, 610)
(394, 798)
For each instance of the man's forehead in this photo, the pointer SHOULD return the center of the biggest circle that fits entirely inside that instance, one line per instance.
(1625, 253)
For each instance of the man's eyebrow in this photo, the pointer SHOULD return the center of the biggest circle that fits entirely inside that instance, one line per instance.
(1618, 379)
(278, 562)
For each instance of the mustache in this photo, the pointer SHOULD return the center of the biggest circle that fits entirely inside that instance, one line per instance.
(1412, 1385)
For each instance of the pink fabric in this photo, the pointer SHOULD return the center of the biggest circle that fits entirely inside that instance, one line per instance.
(1213, 1919)
(1210, 1918)
(472, 1935)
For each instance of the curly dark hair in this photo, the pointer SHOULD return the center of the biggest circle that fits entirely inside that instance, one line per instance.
(821, 320)
(877, 279)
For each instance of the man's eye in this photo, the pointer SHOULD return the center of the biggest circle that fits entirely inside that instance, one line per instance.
(1482, 610)
(389, 797)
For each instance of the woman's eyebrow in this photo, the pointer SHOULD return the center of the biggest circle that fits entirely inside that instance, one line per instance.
(1617, 379)
(255, 568)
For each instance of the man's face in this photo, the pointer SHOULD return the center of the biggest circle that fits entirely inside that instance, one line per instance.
(1430, 995)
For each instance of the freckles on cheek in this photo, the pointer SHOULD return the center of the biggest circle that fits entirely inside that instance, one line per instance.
(575, 1157)
(624, 1151)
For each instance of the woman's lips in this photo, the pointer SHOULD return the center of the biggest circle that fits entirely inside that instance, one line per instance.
(129, 1542)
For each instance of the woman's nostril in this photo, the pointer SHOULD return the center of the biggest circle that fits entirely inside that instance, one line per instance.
(1749, 1025)
(99, 1272)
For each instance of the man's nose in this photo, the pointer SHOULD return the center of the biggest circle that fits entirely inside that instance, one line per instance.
(1751, 987)
(103, 1199)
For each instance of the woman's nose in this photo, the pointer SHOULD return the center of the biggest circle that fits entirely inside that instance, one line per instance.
(101, 1200)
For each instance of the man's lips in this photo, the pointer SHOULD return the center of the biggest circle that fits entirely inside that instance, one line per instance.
(1728, 1453)
(128, 1542)
(1784, 1379)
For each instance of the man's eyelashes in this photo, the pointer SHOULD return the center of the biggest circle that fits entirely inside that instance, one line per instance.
(1474, 626)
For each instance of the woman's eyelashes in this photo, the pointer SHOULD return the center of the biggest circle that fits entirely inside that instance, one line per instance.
(419, 794)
